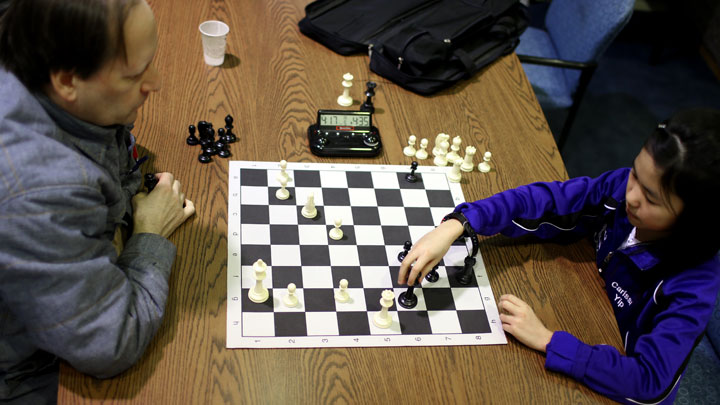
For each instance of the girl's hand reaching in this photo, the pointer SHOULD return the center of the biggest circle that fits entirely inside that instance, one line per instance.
(428, 251)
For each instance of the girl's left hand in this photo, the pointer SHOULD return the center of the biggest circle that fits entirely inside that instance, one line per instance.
(519, 320)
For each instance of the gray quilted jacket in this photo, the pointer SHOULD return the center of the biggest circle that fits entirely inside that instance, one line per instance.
(65, 186)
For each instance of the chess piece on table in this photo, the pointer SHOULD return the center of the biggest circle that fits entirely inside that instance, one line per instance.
(341, 295)
(455, 174)
(369, 94)
(410, 150)
(336, 233)
(412, 177)
(282, 193)
(291, 300)
(439, 139)
(219, 145)
(259, 293)
(467, 164)
(223, 152)
(383, 319)
(344, 99)
(440, 154)
(484, 166)
(229, 122)
(204, 157)
(422, 153)
(192, 140)
(309, 210)
(453, 155)
(210, 149)
(229, 136)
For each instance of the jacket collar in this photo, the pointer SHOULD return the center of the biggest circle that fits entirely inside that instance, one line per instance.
(644, 255)
(92, 140)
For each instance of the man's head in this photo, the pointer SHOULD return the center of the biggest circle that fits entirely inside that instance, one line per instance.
(91, 57)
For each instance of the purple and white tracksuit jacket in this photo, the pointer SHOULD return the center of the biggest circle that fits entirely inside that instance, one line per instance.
(661, 312)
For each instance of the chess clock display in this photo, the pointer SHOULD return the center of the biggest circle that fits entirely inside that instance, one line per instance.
(344, 133)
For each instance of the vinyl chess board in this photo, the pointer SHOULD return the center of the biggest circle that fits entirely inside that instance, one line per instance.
(380, 210)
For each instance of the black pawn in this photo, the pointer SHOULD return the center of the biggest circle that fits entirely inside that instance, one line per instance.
(202, 126)
(433, 276)
(408, 299)
(192, 140)
(466, 276)
(406, 248)
(221, 135)
(224, 152)
(150, 181)
(210, 149)
(204, 157)
(411, 177)
(207, 136)
(230, 135)
(369, 93)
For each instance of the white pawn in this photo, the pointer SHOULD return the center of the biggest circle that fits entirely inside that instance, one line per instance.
(282, 193)
(336, 233)
(341, 295)
(455, 174)
(484, 166)
(422, 153)
(309, 210)
(259, 293)
(383, 319)
(453, 155)
(291, 300)
(410, 149)
(468, 165)
(283, 174)
(440, 155)
(344, 99)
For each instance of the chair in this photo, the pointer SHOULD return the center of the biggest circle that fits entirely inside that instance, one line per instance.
(560, 60)
(701, 382)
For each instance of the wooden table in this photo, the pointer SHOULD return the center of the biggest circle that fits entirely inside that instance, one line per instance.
(273, 81)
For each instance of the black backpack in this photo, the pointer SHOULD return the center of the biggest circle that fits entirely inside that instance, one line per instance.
(422, 45)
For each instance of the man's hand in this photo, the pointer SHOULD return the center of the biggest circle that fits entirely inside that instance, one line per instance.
(519, 320)
(428, 251)
(162, 210)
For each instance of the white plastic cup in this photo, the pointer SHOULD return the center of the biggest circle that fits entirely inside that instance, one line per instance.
(214, 38)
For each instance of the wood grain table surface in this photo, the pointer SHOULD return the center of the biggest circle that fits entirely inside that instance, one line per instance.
(273, 81)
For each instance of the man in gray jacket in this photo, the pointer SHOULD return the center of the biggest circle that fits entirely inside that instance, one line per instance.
(84, 256)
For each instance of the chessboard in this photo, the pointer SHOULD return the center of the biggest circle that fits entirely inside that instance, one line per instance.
(380, 210)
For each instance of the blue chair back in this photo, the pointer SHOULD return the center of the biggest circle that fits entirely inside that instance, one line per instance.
(581, 30)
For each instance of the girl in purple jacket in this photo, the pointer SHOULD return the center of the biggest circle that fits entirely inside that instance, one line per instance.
(655, 228)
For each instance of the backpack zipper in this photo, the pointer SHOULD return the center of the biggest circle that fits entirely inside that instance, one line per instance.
(395, 20)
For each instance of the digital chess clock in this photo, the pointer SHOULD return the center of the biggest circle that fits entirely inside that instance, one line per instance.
(344, 133)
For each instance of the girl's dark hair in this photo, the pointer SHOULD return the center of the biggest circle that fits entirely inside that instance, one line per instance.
(686, 148)
(38, 37)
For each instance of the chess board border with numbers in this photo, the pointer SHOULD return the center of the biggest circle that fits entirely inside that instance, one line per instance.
(239, 279)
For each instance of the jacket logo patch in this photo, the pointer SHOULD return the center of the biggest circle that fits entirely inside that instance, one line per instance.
(621, 296)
